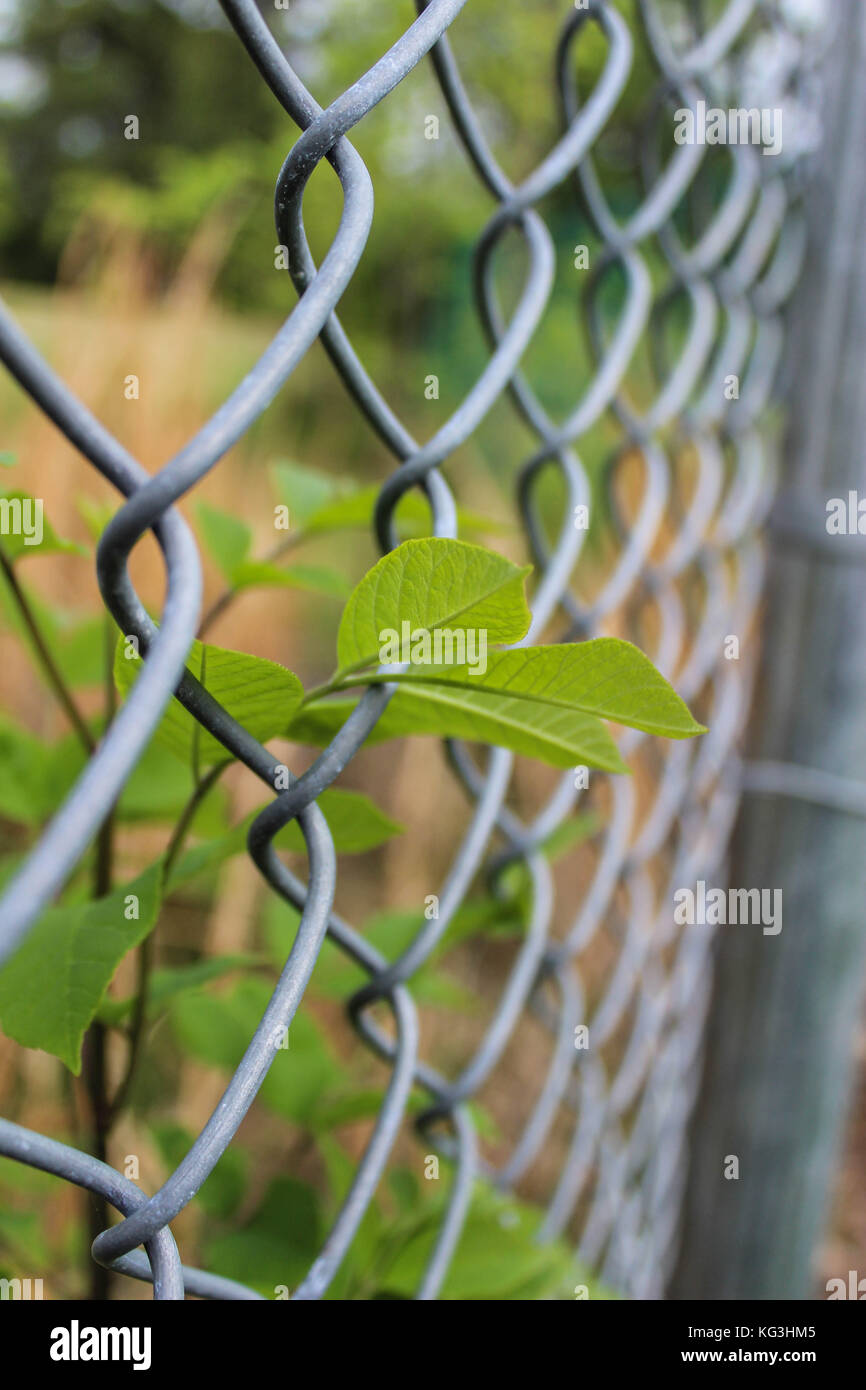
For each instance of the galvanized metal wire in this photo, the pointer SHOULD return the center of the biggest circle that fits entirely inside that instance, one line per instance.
(688, 572)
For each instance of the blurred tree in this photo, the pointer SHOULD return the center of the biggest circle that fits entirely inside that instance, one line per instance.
(76, 70)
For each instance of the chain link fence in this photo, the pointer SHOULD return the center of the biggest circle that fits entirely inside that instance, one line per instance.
(705, 258)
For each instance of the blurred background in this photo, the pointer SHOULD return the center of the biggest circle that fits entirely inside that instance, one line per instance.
(155, 256)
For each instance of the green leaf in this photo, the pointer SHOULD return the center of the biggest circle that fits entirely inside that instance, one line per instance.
(7, 459)
(79, 646)
(317, 579)
(167, 983)
(226, 537)
(259, 694)
(353, 511)
(218, 1028)
(350, 512)
(223, 1190)
(77, 642)
(333, 1111)
(18, 508)
(51, 988)
(571, 832)
(432, 584)
(319, 502)
(159, 789)
(95, 515)
(356, 824)
(606, 677)
(560, 737)
(22, 1239)
(34, 776)
(276, 1248)
(336, 977)
(497, 1256)
(303, 1074)
(304, 490)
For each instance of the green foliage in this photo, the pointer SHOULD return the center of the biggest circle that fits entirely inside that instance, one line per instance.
(316, 579)
(223, 1191)
(229, 540)
(257, 693)
(559, 737)
(217, 1028)
(226, 537)
(497, 1257)
(52, 986)
(32, 779)
(356, 823)
(320, 504)
(159, 789)
(275, 1248)
(337, 977)
(432, 584)
(19, 541)
(166, 984)
(76, 640)
(546, 702)
(604, 676)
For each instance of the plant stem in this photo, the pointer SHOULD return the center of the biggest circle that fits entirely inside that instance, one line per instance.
(145, 951)
(96, 1042)
(94, 1070)
(336, 683)
(200, 791)
(49, 665)
(229, 594)
(94, 1050)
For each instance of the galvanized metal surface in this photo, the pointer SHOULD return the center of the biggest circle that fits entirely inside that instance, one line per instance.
(689, 571)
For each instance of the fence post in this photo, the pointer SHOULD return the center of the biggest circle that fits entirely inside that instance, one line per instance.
(785, 1011)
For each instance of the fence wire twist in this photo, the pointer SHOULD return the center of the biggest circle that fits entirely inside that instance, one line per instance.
(688, 571)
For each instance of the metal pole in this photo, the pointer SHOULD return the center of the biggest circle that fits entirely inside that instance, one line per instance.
(786, 1008)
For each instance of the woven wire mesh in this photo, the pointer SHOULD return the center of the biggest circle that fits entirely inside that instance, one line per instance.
(700, 464)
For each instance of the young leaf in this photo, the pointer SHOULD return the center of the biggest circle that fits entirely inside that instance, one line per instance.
(165, 984)
(95, 515)
(561, 737)
(497, 1257)
(227, 538)
(34, 775)
(571, 832)
(223, 1190)
(259, 694)
(356, 824)
(319, 502)
(350, 512)
(304, 490)
(431, 584)
(159, 789)
(77, 641)
(317, 579)
(217, 1029)
(277, 1245)
(51, 988)
(353, 511)
(336, 977)
(24, 529)
(605, 677)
